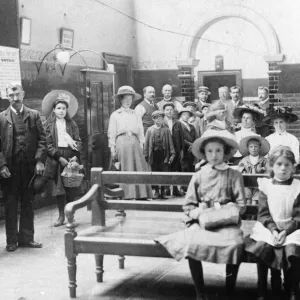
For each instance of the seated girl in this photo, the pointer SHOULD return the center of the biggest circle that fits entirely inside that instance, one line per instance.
(253, 148)
(214, 200)
(275, 238)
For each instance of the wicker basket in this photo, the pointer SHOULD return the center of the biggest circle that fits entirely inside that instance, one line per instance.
(73, 180)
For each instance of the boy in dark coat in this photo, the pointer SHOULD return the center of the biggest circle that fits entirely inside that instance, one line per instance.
(159, 150)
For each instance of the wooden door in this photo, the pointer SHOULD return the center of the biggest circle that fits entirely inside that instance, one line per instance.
(215, 79)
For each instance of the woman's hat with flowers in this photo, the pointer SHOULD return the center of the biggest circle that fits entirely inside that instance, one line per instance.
(62, 96)
(284, 112)
(248, 108)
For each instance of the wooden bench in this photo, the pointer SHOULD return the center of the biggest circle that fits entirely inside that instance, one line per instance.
(128, 235)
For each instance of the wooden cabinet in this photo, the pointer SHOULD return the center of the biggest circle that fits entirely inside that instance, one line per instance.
(98, 107)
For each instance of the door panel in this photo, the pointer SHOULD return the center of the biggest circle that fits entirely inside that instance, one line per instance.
(214, 82)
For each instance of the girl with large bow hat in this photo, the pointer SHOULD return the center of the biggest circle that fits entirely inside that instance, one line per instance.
(63, 143)
(280, 117)
(214, 200)
(126, 139)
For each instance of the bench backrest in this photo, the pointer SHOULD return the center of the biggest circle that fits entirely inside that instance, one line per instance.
(102, 178)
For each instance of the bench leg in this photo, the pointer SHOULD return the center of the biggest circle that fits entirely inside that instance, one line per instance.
(231, 276)
(72, 276)
(121, 261)
(99, 267)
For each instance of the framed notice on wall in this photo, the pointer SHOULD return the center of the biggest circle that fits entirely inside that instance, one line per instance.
(66, 37)
(9, 68)
(25, 31)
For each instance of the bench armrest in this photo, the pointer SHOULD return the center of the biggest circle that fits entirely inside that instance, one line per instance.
(71, 208)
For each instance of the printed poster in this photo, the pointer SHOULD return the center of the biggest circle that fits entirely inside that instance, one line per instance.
(9, 68)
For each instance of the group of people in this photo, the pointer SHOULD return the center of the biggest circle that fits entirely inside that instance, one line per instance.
(31, 154)
(166, 130)
(220, 140)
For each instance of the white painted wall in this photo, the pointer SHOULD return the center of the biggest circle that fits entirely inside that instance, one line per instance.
(156, 49)
(95, 26)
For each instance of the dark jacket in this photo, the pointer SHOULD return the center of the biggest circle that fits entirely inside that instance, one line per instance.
(245, 165)
(35, 140)
(167, 144)
(52, 148)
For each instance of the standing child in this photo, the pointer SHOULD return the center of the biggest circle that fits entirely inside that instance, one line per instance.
(184, 134)
(215, 193)
(159, 149)
(275, 238)
(253, 148)
(63, 143)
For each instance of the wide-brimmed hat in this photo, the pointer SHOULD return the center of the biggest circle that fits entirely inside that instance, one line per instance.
(189, 103)
(203, 89)
(185, 110)
(247, 108)
(64, 96)
(214, 109)
(284, 112)
(224, 135)
(157, 113)
(264, 145)
(127, 90)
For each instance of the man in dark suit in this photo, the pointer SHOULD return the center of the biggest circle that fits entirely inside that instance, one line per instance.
(22, 153)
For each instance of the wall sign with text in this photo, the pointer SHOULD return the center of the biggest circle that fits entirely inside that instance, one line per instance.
(66, 37)
(9, 68)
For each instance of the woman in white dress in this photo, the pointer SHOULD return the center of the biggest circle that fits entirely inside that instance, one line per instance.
(126, 139)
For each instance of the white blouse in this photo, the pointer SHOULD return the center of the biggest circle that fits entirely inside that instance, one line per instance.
(284, 139)
(62, 134)
(125, 121)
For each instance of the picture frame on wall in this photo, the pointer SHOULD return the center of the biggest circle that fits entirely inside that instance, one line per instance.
(66, 37)
(25, 31)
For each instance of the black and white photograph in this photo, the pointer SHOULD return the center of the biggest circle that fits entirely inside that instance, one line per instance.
(149, 150)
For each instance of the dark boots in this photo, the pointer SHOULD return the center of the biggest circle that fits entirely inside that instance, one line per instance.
(291, 281)
(197, 275)
(276, 284)
(262, 281)
(61, 211)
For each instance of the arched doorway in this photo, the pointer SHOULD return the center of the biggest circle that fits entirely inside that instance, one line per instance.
(187, 56)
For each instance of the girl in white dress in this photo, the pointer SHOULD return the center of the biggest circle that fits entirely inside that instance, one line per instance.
(275, 239)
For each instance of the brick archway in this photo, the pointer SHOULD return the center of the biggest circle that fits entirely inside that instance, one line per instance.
(187, 55)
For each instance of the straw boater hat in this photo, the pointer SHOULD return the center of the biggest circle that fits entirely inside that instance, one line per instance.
(224, 135)
(189, 103)
(264, 145)
(284, 112)
(64, 96)
(157, 113)
(253, 109)
(203, 89)
(185, 110)
(214, 109)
